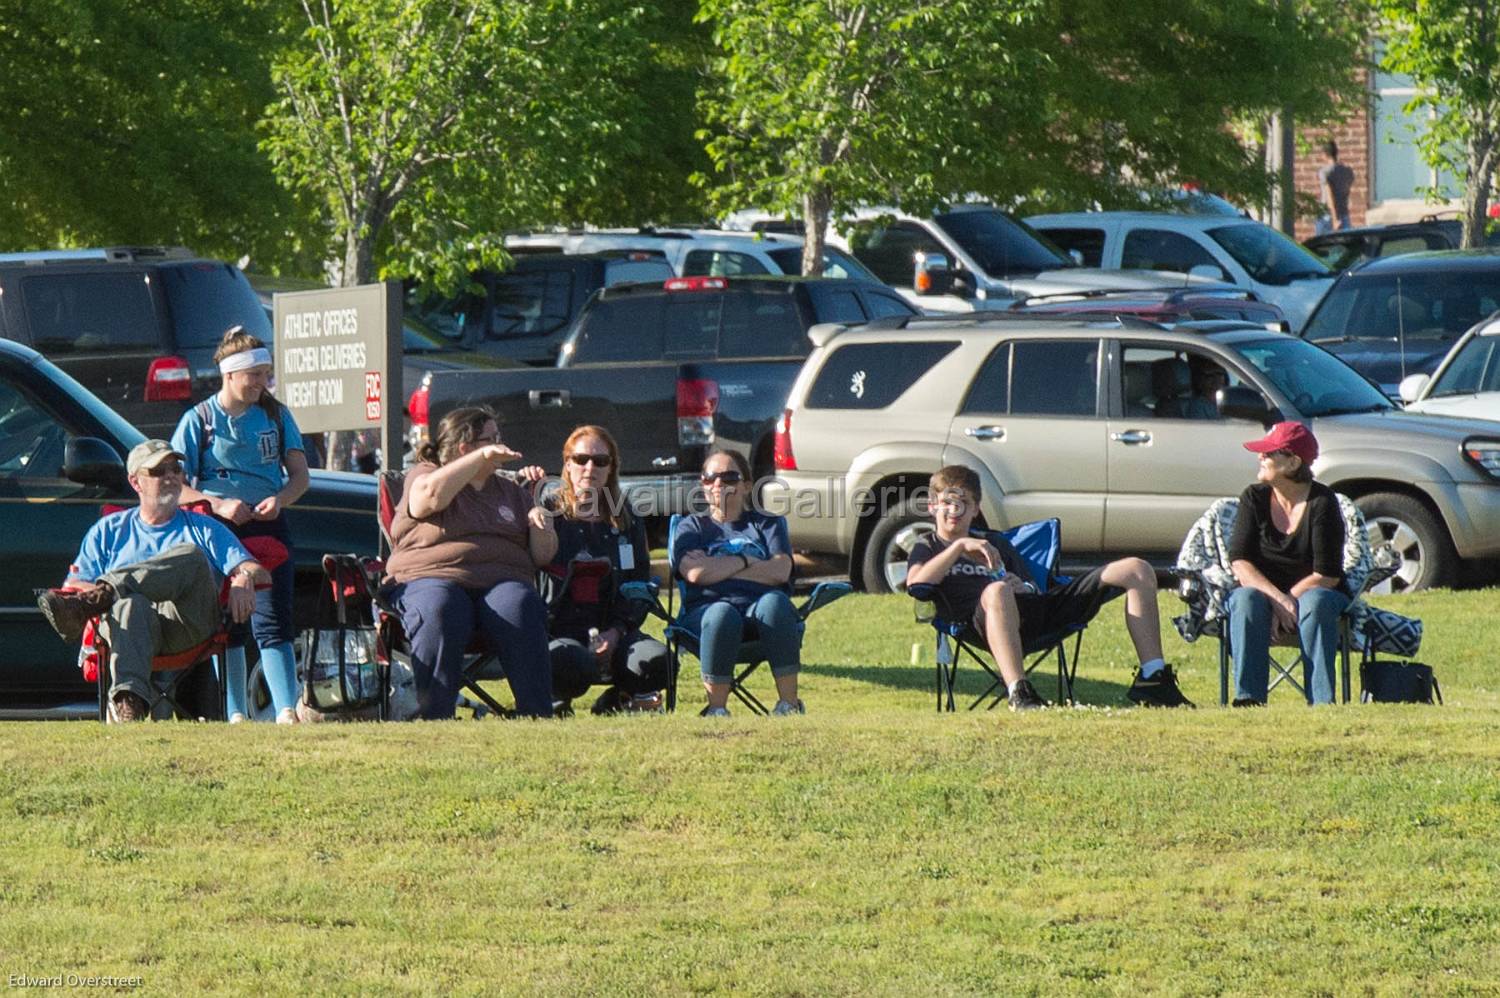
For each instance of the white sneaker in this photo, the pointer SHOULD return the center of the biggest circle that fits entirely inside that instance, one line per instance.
(785, 708)
(716, 712)
(287, 715)
(236, 718)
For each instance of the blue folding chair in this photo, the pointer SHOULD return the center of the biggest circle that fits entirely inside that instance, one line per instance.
(1038, 543)
(680, 638)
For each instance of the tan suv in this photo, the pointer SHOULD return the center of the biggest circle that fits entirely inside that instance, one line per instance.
(1126, 430)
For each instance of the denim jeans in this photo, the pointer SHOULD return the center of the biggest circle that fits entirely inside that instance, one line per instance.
(440, 617)
(721, 628)
(1250, 619)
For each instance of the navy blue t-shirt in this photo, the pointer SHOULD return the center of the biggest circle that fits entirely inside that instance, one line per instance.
(756, 535)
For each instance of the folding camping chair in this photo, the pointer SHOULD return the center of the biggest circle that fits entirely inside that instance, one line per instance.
(481, 665)
(680, 638)
(1205, 580)
(1039, 544)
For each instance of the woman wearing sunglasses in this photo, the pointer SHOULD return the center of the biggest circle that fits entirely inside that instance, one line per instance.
(596, 636)
(737, 564)
(1287, 553)
(466, 546)
(244, 454)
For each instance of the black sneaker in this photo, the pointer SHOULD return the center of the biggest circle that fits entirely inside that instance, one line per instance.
(1247, 702)
(611, 701)
(1158, 691)
(1024, 697)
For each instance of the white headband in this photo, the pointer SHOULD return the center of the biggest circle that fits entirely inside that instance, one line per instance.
(246, 359)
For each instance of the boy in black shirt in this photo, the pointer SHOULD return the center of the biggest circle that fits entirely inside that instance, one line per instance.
(1009, 610)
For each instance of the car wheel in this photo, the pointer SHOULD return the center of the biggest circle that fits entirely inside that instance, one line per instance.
(884, 568)
(1419, 540)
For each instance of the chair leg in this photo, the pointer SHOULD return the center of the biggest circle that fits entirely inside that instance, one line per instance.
(997, 681)
(1223, 670)
(674, 666)
(1346, 639)
(945, 677)
(747, 698)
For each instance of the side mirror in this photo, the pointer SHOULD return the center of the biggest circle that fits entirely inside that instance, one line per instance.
(933, 274)
(1411, 387)
(1239, 402)
(91, 461)
(1208, 272)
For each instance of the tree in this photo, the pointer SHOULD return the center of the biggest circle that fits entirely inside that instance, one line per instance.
(427, 127)
(1451, 51)
(132, 122)
(822, 105)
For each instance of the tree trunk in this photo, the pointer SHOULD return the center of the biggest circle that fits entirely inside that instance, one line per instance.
(816, 206)
(359, 256)
(1481, 170)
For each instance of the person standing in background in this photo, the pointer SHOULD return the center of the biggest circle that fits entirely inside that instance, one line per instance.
(1335, 180)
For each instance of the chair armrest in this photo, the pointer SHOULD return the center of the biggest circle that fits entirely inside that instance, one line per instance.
(823, 594)
(645, 594)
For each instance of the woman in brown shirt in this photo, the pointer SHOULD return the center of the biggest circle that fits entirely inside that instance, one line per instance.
(466, 547)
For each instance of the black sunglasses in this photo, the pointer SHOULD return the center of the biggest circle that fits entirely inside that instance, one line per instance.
(724, 477)
(164, 468)
(597, 460)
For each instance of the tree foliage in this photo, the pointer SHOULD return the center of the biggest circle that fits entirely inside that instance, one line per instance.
(132, 122)
(821, 105)
(426, 127)
(1451, 51)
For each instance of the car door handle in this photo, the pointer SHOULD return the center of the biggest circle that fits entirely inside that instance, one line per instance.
(663, 462)
(553, 398)
(1132, 437)
(985, 432)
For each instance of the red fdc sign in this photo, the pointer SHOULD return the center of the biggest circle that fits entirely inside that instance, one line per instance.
(372, 396)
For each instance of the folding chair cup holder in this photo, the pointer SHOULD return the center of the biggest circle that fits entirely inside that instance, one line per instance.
(1038, 543)
(1205, 580)
(680, 639)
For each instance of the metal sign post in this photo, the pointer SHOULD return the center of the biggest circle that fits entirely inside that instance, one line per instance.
(338, 361)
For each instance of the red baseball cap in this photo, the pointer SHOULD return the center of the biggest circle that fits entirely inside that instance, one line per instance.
(1288, 436)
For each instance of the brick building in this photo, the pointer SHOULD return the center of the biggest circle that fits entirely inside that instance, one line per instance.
(1377, 141)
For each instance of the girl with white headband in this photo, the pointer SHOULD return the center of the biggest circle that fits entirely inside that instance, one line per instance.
(245, 456)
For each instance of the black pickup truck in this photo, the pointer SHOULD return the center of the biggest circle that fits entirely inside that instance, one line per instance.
(672, 370)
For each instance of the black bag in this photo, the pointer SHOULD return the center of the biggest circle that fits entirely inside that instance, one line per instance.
(1398, 682)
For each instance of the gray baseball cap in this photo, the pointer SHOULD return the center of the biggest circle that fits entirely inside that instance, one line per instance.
(148, 455)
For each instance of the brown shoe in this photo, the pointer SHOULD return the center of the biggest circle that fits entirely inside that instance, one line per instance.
(67, 612)
(128, 707)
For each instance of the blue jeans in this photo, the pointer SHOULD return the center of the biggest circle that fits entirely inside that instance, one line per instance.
(1318, 612)
(721, 627)
(440, 618)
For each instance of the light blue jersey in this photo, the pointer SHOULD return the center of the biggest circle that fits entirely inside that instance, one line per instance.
(243, 457)
(123, 538)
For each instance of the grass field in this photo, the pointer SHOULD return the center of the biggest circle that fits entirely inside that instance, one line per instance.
(871, 847)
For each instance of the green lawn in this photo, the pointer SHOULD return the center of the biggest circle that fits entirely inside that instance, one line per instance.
(872, 847)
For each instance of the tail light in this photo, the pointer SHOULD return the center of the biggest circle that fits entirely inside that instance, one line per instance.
(695, 284)
(416, 408)
(169, 379)
(697, 401)
(785, 461)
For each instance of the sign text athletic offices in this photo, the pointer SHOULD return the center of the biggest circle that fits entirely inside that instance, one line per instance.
(324, 358)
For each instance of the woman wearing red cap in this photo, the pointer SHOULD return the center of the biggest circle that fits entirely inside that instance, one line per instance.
(1287, 553)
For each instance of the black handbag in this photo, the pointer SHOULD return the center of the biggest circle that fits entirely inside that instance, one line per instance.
(1384, 681)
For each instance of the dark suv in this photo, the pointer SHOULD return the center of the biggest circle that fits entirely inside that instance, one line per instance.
(525, 313)
(136, 325)
(1347, 247)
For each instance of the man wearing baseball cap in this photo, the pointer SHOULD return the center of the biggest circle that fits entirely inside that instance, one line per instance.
(152, 575)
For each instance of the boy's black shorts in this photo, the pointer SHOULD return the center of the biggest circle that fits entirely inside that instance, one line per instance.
(1051, 613)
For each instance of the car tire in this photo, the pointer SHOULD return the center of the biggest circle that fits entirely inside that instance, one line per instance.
(1419, 538)
(883, 569)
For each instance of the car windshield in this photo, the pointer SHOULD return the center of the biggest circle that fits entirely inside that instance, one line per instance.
(1000, 245)
(1268, 256)
(1432, 305)
(207, 298)
(1316, 382)
(835, 264)
(1474, 368)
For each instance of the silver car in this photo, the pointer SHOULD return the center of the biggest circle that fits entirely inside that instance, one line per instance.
(1125, 430)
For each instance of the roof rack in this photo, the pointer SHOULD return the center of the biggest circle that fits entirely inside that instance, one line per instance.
(110, 254)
